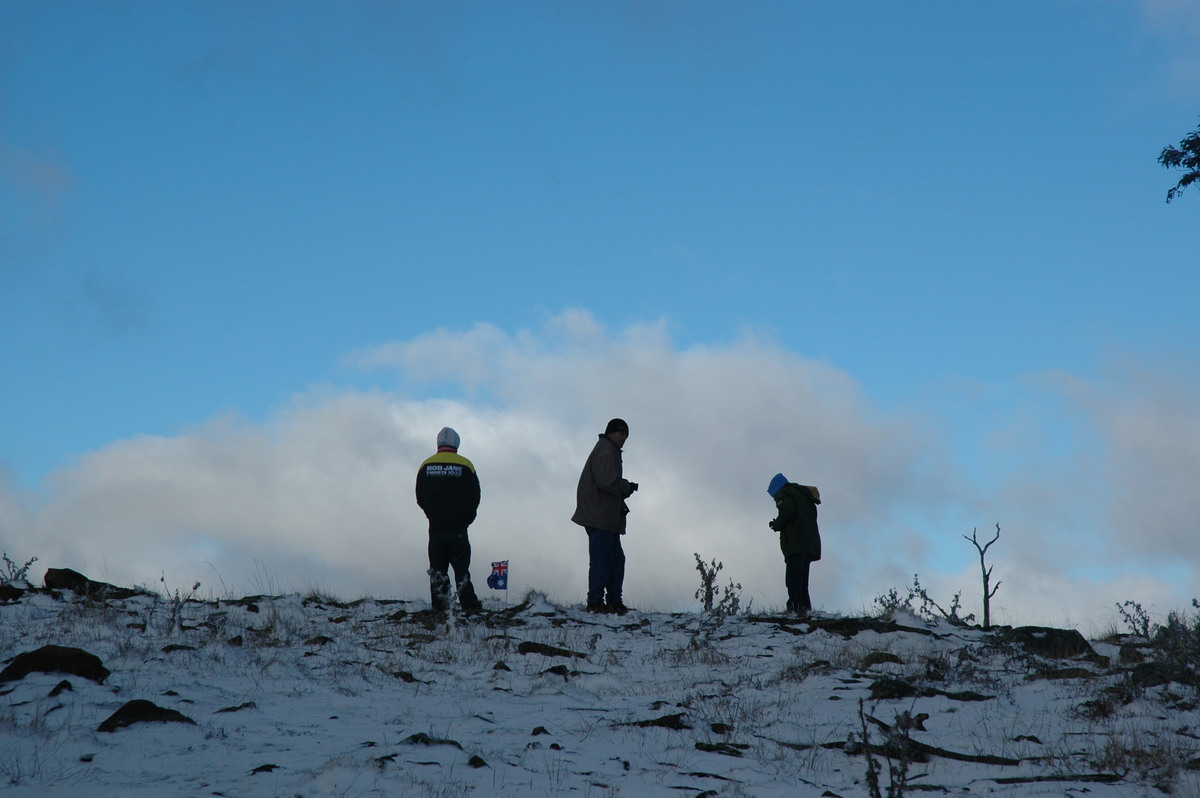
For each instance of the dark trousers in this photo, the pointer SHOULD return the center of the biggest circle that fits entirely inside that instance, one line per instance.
(451, 550)
(606, 566)
(796, 579)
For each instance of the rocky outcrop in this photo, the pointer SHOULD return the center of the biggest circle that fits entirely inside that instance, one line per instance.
(1048, 642)
(141, 711)
(56, 659)
(66, 579)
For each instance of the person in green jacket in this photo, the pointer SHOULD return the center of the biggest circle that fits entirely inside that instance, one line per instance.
(799, 538)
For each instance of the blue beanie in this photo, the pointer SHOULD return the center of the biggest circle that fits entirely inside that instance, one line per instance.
(777, 482)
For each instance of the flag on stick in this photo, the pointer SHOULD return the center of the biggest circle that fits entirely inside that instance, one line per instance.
(498, 578)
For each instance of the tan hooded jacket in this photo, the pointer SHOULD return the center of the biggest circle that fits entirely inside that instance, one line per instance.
(600, 496)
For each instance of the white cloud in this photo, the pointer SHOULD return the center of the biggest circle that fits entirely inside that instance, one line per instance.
(322, 496)
(1178, 22)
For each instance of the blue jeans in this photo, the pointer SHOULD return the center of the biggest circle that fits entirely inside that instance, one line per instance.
(606, 566)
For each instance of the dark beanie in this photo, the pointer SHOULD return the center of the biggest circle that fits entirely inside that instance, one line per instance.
(616, 425)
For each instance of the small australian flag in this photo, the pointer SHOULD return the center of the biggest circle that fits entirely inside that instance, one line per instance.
(498, 578)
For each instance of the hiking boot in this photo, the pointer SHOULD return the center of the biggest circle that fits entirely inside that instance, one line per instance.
(597, 608)
(617, 608)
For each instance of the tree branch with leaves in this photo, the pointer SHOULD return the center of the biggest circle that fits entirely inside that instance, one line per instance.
(1185, 156)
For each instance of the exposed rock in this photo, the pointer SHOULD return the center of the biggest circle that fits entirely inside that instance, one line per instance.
(728, 749)
(887, 688)
(528, 647)
(675, 722)
(141, 711)
(559, 670)
(892, 688)
(56, 659)
(1131, 654)
(1055, 674)
(1049, 642)
(405, 676)
(1154, 674)
(10, 592)
(421, 738)
(921, 751)
(846, 627)
(66, 579)
(879, 658)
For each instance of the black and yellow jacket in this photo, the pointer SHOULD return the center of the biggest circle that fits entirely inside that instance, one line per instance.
(448, 491)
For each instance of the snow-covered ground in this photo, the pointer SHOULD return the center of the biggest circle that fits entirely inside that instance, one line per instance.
(293, 696)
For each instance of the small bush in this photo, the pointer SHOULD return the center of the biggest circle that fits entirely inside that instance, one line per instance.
(720, 601)
(11, 572)
(1176, 641)
(1136, 618)
(917, 600)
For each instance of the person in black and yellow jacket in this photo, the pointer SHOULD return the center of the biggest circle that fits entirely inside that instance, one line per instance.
(799, 538)
(448, 492)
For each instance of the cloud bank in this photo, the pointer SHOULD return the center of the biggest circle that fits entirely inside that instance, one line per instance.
(321, 496)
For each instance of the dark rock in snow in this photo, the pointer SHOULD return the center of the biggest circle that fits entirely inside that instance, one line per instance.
(674, 721)
(141, 711)
(56, 659)
(10, 592)
(1155, 674)
(728, 749)
(319, 640)
(420, 738)
(885, 689)
(1049, 642)
(559, 670)
(528, 647)
(879, 658)
(66, 579)
(405, 676)
(1057, 674)
(891, 689)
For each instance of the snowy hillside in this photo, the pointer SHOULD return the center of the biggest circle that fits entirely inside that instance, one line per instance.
(294, 696)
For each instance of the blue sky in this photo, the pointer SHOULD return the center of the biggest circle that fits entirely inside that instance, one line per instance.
(225, 226)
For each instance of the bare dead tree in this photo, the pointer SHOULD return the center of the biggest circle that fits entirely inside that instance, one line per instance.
(987, 573)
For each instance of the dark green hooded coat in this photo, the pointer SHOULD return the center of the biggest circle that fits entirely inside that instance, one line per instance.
(797, 520)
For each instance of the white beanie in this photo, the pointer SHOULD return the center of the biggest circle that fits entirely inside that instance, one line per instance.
(448, 437)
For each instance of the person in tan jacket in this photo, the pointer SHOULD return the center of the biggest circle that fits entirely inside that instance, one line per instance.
(600, 509)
